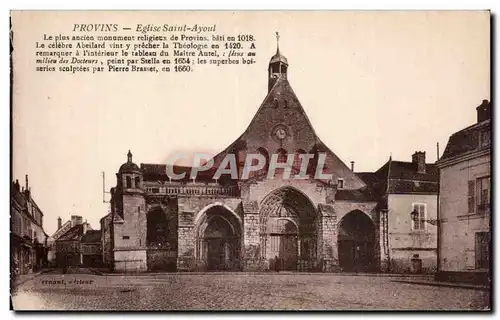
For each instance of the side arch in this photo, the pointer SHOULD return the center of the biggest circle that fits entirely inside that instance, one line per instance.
(356, 242)
(218, 234)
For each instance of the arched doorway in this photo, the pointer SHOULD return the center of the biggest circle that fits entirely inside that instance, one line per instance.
(218, 240)
(161, 239)
(288, 230)
(356, 243)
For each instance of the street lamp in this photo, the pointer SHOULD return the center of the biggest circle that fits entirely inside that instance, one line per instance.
(414, 216)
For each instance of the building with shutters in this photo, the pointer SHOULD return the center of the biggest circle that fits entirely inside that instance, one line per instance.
(407, 204)
(465, 202)
(28, 238)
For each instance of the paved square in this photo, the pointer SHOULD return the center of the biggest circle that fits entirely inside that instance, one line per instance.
(238, 292)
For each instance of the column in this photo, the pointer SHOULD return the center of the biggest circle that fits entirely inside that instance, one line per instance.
(186, 240)
(327, 238)
(185, 248)
(383, 242)
(252, 252)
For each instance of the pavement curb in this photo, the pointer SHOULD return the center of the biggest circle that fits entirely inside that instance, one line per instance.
(98, 272)
(445, 284)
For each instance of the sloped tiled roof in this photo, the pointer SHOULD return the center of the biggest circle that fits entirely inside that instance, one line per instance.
(466, 140)
(74, 233)
(401, 177)
(92, 236)
(408, 170)
(155, 172)
(412, 186)
(363, 194)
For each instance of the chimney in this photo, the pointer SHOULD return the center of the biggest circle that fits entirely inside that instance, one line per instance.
(27, 185)
(75, 220)
(352, 166)
(484, 111)
(17, 186)
(59, 223)
(419, 158)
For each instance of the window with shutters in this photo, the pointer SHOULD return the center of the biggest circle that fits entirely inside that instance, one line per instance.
(483, 195)
(470, 196)
(419, 222)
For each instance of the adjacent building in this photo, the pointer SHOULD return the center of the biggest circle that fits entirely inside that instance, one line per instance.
(91, 249)
(345, 222)
(107, 241)
(465, 202)
(28, 239)
(407, 202)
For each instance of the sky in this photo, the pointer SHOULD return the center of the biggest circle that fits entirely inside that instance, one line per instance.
(373, 84)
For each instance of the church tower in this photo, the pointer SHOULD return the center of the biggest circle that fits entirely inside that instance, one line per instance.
(277, 66)
(130, 219)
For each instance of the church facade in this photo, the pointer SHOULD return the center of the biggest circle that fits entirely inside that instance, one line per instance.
(260, 223)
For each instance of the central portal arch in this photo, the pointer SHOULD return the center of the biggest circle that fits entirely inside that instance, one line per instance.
(356, 242)
(218, 239)
(288, 230)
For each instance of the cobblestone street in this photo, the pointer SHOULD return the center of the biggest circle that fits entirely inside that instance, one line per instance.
(237, 292)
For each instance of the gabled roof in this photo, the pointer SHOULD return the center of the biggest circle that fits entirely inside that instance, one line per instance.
(18, 196)
(74, 233)
(281, 107)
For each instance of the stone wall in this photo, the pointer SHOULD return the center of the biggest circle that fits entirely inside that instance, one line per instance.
(404, 242)
(131, 233)
(130, 260)
(458, 226)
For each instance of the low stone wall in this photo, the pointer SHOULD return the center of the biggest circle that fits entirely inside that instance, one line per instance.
(161, 260)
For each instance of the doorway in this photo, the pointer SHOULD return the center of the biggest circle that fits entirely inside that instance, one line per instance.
(219, 241)
(356, 243)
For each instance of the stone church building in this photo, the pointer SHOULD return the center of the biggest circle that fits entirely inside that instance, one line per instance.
(203, 224)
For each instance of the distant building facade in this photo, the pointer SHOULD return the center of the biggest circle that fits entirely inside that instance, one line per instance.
(67, 242)
(465, 202)
(28, 238)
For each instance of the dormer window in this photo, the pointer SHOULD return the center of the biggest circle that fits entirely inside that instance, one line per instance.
(340, 183)
(484, 138)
